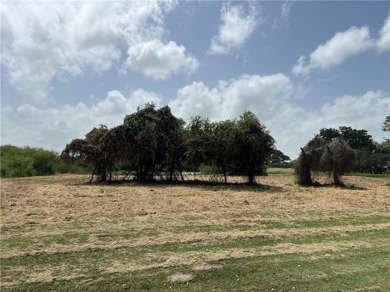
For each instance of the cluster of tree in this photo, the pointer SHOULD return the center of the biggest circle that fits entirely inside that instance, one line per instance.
(27, 161)
(153, 142)
(339, 150)
(279, 160)
(335, 156)
(370, 157)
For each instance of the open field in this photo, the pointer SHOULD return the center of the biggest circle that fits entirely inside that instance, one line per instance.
(59, 233)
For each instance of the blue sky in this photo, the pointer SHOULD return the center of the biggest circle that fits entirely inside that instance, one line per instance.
(299, 65)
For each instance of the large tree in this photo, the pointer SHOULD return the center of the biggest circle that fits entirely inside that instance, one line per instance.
(199, 142)
(357, 139)
(252, 146)
(156, 141)
(223, 145)
(337, 157)
(90, 151)
(152, 142)
(308, 160)
(171, 142)
(279, 159)
(329, 152)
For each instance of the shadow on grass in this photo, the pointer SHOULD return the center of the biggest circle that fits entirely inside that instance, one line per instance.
(199, 184)
(341, 186)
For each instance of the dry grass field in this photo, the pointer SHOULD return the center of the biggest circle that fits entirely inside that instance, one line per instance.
(60, 233)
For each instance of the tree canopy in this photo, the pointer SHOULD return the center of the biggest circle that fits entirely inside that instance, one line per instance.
(335, 156)
(357, 139)
(153, 142)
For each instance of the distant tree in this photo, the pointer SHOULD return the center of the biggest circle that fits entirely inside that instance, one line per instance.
(98, 157)
(386, 125)
(90, 151)
(46, 162)
(325, 136)
(308, 160)
(252, 146)
(28, 161)
(171, 142)
(357, 139)
(156, 140)
(223, 145)
(332, 151)
(116, 148)
(199, 142)
(16, 162)
(142, 130)
(279, 159)
(380, 158)
(337, 157)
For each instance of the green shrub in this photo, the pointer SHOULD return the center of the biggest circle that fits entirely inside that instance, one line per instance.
(28, 161)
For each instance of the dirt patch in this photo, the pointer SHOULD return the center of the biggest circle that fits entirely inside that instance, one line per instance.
(180, 278)
(205, 266)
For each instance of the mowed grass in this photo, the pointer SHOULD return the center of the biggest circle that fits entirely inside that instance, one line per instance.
(61, 234)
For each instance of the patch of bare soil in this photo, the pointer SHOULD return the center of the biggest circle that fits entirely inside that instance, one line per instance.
(204, 266)
(180, 278)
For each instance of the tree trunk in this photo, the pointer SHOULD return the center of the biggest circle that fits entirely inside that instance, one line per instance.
(305, 175)
(224, 172)
(304, 172)
(103, 173)
(93, 173)
(251, 176)
(337, 176)
(180, 171)
(336, 179)
(171, 171)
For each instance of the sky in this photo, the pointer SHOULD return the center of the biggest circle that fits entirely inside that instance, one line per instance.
(300, 66)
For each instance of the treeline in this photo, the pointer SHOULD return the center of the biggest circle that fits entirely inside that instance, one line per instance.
(152, 143)
(341, 150)
(28, 161)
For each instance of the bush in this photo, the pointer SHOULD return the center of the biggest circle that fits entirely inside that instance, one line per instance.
(27, 161)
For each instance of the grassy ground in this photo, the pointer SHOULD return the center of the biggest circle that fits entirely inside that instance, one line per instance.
(58, 233)
(277, 170)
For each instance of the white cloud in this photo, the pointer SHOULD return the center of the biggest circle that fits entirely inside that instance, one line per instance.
(286, 9)
(52, 128)
(197, 99)
(42, 42)
(340, 47)
(231, 98)
(237, 26)
(160, 61)
(270, 98)
(366, 111)
(383, 42)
